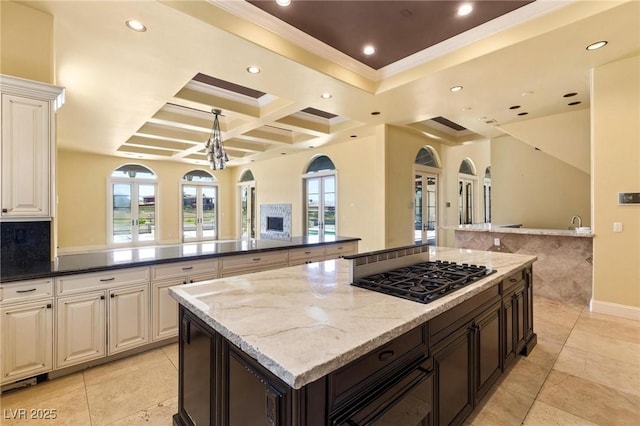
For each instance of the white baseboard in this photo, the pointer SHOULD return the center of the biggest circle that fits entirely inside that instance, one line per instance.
(615, 309)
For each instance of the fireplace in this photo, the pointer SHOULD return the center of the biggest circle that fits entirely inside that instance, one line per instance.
(275, 221)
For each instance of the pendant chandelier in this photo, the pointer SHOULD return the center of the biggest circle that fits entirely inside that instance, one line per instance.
(216, 155)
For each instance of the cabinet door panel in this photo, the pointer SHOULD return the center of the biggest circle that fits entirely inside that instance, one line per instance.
(452, 364)
(164, 310)
(27, 340)
(81, 329)
(128, 318)
(25, 157)
(488, 360)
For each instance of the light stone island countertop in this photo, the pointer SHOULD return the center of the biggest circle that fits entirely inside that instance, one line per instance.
(303, 322)
(506, 229)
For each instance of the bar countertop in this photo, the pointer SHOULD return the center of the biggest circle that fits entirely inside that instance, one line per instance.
(144, 256)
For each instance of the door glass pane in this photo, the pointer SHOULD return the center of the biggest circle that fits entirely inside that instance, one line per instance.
(244, 211)
(122, 213)
(209, 212)
(313, 206)
(253, 212)
(431, 210)
(146, 212)
(329, 204)
(417, 209)
(189, 212)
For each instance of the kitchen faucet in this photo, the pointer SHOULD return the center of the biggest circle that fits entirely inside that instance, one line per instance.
(573, 219)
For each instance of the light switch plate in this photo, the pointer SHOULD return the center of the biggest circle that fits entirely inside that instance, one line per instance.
(617, 226)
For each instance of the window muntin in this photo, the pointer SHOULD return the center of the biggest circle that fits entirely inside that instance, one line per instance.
(133, 205)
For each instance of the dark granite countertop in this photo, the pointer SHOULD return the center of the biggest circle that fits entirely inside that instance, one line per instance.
(145, 256)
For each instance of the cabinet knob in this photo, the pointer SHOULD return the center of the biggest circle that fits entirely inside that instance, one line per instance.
(385, 355)
(48, 305)
(5, 210)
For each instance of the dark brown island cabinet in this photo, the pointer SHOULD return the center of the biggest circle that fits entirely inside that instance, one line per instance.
(434, 374)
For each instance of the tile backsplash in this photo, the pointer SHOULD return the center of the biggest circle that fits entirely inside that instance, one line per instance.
(22, 243)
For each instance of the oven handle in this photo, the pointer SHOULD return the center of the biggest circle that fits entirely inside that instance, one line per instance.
(398, 390)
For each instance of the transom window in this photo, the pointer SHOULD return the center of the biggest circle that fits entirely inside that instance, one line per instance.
(427, 157)
(199, 206)
(132, 205)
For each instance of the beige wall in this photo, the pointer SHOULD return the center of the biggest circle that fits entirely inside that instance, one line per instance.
(359, 165)
(480, 155)
(82, 199)
(26, 42)
(615, 103)
(402, 146)
(534, 188)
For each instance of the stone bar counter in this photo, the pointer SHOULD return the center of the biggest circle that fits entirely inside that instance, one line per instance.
(564, 268)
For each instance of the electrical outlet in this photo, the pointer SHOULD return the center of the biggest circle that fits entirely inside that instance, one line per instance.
(617, 226)
(496, 241)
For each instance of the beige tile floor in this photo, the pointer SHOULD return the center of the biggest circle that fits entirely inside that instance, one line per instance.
(585, 370)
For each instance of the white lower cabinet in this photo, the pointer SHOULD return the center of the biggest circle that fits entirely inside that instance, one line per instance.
(27, 340)
(128, 318)
(81, 328)
(164, 315)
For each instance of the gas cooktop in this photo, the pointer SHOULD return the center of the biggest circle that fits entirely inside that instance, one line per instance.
(425, 281)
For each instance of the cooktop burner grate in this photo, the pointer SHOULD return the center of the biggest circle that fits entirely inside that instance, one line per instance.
(424, 282)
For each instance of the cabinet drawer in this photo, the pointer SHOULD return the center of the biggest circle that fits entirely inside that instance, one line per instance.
(307, 253)
(254, 262)
(336, 250)
(512, 282)
(73, 284)
(25, 290)
(183, 269)
(367, 369)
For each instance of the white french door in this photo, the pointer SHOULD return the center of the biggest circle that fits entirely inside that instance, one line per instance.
(320, 211)
(466, 191)
(248, 211)
(425, 188)
(133, 212)
(199, 212)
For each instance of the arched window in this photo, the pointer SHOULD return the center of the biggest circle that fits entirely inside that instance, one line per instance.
(199, 206)
(247, 186)
(320, 210)
(427, 157)
(247, 176)
(132, 205)
(466, 191)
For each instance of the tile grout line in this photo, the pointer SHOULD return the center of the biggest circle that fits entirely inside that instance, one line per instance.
(555, 360)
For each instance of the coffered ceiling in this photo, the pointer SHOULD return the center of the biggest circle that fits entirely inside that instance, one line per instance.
(150, 94)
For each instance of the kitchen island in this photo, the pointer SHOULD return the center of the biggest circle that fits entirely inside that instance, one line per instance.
(300, 345)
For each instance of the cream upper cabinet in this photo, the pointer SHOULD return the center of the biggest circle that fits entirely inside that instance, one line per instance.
(28, 148)
(26, 329)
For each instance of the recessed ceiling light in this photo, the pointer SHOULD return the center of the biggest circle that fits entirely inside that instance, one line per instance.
(283, 2)
(134, 25)
(375, 113)
(253, 70)
(574, 103)
(597, 45)
(568, 95)
(456, 88)
(523, 113)
(514, 107)
(326, 95)
(283, 153)
(369, 50)
(465, 9)
(354, 136)
(311, 146)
